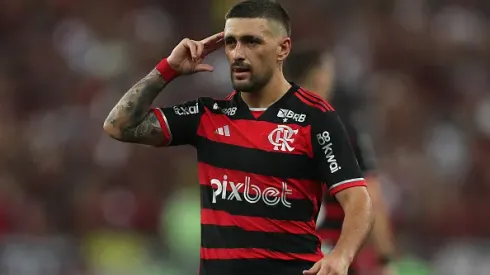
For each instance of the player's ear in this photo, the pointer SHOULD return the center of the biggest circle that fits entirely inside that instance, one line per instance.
(283, 49)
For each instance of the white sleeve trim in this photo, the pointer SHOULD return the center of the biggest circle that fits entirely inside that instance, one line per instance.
(170, 136)
(345, 182)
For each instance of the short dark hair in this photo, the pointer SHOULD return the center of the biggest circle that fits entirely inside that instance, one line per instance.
(301, 62)
(268, 9)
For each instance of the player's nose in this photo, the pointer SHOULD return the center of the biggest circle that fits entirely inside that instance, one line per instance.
(238, 52)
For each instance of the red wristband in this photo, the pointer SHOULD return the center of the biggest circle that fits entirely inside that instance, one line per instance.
(168, 73)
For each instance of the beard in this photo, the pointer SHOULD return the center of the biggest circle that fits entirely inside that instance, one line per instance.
(251, 85)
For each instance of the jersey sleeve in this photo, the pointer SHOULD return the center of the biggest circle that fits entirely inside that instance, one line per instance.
(180, 122)
(333, 154)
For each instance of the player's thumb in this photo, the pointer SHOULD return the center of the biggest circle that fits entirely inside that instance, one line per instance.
(314, 269)
(204, 68)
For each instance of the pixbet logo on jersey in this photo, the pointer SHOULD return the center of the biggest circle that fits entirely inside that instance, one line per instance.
(251, 193)
(281, 137)
(324, 141)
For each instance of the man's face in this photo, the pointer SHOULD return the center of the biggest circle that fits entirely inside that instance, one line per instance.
(253, 51)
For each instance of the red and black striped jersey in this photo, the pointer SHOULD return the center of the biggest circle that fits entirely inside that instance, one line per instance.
(262, 178)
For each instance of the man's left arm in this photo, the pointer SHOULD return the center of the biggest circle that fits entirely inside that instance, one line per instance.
(357, 224)
(338, 168)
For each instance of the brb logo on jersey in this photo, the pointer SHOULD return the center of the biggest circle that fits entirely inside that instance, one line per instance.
(186, 110)
(229, 111)
(245, 191)
(282, 138)
(286, 114)
(324, 141)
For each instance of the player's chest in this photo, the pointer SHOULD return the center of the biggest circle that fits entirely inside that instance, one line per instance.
(271, 135)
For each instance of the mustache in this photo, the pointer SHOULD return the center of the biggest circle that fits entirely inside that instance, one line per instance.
(240, 65)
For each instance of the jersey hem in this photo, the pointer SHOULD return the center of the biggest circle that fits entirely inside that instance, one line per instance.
(346, 185)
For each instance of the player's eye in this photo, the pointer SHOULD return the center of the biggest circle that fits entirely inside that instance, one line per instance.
(253, 41)
(230, 41)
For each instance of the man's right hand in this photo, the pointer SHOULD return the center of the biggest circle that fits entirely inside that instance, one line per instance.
(187, 56)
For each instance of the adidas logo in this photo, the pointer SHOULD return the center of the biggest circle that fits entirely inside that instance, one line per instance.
(223, 131)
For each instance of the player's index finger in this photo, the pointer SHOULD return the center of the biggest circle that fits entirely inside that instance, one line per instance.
(213, 38)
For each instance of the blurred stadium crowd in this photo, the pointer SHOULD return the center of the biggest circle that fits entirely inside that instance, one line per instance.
(72, 201)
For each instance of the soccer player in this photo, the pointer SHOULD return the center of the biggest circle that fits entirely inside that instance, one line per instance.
(265, 153)
(315, 70)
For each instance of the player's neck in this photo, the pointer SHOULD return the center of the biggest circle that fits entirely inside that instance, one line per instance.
(269, 94)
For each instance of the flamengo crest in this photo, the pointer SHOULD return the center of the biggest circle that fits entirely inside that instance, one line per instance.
(282, 138)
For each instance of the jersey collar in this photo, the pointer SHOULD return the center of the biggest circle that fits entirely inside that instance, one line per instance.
(244, 110)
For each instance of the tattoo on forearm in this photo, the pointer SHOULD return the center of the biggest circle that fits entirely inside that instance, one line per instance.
(132, 117)
(147, 131)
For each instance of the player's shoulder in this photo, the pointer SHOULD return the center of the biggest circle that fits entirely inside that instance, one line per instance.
(311, 104)
(311, 101)
(219, 105)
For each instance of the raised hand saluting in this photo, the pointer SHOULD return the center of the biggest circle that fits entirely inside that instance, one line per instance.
(187, 56)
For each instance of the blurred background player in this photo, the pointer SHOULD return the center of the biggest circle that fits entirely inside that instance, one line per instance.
(315, 70)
